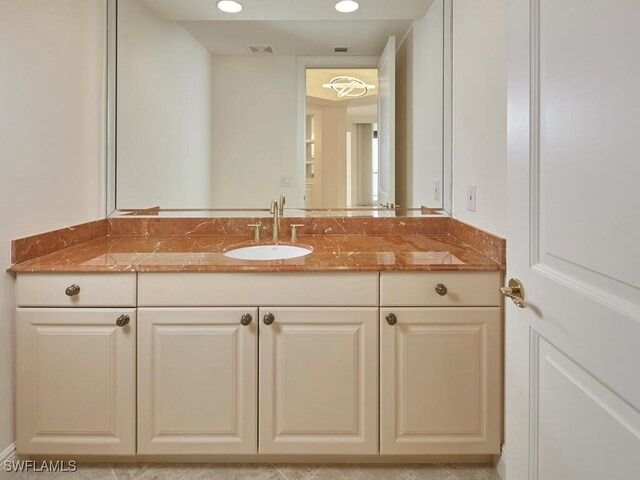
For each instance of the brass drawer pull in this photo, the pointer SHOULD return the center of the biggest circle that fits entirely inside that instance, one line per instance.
(123, 320)
(441, 289)
(391, 319)
(72, 290)
(268, 318)
(246, 319)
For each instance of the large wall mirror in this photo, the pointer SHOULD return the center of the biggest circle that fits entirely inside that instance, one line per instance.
(212, 111)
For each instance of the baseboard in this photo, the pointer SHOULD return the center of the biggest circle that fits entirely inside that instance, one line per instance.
(263, 458)
(8, 454)
(501, 464)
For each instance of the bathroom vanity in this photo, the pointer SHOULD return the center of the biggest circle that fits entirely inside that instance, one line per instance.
(160, 345)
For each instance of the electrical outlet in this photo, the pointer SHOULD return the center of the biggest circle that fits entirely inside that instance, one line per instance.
(436, 190)
(286, 180)
(471, 198)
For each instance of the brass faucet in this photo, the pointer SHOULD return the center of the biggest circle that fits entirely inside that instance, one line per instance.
(275, 211)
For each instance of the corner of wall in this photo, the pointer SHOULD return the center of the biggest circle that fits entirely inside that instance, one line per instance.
(52, 138)
(479, 112)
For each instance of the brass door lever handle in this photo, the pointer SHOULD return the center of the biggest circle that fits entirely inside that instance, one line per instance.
(515, 291)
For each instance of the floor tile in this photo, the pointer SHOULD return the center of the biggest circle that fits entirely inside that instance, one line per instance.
(205, 471)
(383, 472)
(472, 471)
(101, 471)
(298, 471)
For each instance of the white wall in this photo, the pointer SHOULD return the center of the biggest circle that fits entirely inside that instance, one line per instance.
(419, 108)
(427, 106)
(51, 125)
(254, 130)
(360, 121)
(164, 113)
(479, 111)
(334, 156)
(404, 127)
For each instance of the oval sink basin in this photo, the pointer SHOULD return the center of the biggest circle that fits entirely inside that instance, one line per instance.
(267, 252)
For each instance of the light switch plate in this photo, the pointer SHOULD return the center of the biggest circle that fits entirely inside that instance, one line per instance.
(471, 198)
(285, 180)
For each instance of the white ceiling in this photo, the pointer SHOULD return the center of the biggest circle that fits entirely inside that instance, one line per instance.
(365, 37)
(193, 10)
(293, 27)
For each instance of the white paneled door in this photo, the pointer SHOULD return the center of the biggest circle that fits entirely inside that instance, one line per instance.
(386, 123)
(573, 354)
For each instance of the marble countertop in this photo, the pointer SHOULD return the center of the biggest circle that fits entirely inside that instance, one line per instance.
(336, 252)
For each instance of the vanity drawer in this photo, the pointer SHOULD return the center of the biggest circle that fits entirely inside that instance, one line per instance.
(354, 289)
(96, 290)
(418, 289)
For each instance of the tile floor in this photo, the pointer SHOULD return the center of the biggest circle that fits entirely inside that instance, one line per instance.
(269, 472)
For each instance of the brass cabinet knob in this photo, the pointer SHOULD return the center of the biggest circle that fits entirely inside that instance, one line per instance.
(441, 289)
(268, 318)
(72, 290)
(391, 319)
(123, 320)
(246, 319)
(515, 291)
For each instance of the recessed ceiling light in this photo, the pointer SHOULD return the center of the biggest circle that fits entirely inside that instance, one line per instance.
(229, 6)
(347, 6)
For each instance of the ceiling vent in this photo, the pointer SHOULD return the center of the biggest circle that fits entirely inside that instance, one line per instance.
(259, 49)
(341, 49)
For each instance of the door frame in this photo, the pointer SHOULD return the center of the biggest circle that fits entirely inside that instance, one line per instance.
(302, 63)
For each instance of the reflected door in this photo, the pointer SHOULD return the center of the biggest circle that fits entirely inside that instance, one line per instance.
(386, 123)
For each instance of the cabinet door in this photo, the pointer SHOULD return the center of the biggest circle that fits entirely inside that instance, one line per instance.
(440, 381)
(197, 381)
(319, 381)
(76, 381)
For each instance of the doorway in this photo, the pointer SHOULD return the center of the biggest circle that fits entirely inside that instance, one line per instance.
(341, 137)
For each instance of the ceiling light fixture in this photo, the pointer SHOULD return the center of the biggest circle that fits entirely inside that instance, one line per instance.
(347, 6)
(348, 87)
(229, 6)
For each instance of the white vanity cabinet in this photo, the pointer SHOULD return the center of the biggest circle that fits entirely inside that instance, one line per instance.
(331, 363)
(440, 363)
(318, 366)
(76, 366)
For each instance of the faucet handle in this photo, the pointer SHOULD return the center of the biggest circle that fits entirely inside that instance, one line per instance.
(256, 233)
(294, 231)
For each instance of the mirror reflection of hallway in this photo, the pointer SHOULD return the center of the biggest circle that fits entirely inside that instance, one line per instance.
(225, 127)
(341, 155)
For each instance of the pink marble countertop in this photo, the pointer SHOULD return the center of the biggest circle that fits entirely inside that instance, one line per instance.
(203, 253)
